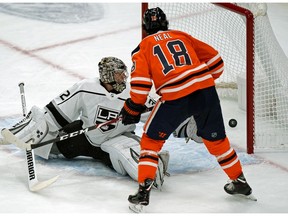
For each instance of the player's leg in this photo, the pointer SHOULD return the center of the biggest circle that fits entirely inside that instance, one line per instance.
(211, 128)
(163, 120)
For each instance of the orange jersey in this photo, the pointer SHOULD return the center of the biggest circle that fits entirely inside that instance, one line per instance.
(176, 63)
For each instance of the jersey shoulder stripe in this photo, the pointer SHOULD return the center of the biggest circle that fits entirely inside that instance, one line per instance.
(135, 50)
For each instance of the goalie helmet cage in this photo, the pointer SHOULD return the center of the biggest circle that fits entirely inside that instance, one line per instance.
(255, 64)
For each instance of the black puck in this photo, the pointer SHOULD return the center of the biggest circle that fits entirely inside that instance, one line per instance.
(232, 123)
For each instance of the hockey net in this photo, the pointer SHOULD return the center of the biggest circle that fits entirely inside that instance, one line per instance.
(255, 65)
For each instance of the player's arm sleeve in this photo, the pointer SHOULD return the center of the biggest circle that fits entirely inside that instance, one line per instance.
(210, 56)
(141, 81)
(66, 107)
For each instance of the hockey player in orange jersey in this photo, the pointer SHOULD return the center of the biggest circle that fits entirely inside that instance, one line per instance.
(182, 69)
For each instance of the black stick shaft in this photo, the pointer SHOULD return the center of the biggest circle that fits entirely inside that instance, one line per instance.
(73, 134)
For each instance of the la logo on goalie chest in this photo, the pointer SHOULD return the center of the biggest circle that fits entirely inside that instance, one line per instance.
(106, 114)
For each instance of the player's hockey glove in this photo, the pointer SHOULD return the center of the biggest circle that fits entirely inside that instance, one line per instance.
(131, 112)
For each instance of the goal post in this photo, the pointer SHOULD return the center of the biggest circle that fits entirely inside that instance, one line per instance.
(255, 65)
(249, 69)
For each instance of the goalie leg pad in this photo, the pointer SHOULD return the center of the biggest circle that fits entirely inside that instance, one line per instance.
(161, 169)
(123, 151)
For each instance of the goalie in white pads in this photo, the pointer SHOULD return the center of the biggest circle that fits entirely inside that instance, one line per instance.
(89, 102)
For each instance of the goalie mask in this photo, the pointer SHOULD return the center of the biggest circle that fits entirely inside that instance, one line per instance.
(114, 72)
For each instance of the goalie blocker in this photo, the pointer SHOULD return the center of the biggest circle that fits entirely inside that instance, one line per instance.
(188, 130)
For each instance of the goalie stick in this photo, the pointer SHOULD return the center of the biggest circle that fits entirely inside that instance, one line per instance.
(33, 182)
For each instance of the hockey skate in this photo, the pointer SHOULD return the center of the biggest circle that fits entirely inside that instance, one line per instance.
(161, 169)
(141, 198)
(239, 187)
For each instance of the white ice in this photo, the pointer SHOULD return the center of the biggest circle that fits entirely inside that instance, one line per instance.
(70, 53)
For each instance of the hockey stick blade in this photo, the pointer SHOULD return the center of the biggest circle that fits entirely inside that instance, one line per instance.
(9, 137)
(33, 183)
(39, 185)
(137, 208)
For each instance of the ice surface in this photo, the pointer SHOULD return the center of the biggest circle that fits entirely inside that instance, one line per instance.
(49, 57)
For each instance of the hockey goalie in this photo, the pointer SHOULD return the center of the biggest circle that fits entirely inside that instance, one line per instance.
(89, 102)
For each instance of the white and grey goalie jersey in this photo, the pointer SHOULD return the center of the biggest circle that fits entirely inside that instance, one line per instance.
(89, 101)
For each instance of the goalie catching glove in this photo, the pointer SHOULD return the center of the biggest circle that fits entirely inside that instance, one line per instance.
(131, 112)
(188, 130)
